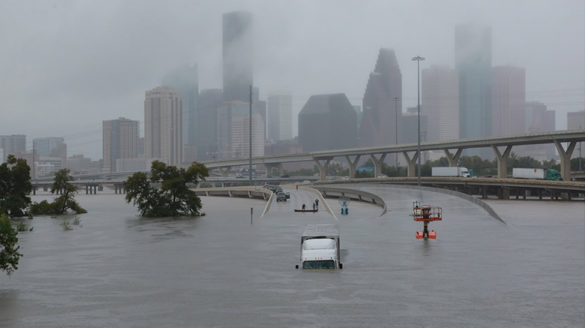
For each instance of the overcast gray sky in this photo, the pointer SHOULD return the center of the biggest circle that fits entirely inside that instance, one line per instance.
(67, 65)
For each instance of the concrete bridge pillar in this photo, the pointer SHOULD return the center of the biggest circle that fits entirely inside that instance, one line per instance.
(378, 163)
(411, 163)
(323, 167)
(502, 159)
(565, 156)
(352, 165)
(453, 158)
(270, 168)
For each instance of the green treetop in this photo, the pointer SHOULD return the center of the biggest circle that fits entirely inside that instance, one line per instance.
(166, 192)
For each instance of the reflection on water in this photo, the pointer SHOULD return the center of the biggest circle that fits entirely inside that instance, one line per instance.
(116, 269)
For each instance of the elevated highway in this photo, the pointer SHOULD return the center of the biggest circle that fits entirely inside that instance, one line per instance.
(564, 142)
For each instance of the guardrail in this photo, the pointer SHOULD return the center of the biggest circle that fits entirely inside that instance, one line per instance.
(353, 194)
(244, 192)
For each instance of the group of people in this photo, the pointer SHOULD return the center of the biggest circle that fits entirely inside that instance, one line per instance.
(315, 205)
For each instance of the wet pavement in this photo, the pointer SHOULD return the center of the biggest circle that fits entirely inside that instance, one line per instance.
(114, 269)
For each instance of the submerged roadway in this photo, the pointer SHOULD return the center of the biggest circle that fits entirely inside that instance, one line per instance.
(226, 270)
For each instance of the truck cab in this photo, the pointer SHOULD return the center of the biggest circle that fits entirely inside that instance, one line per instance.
(320, 248)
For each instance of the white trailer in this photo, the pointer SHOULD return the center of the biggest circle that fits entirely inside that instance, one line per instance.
(450, 172)
(533, 173)
(320, 248)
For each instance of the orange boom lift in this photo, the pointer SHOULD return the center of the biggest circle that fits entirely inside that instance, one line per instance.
(426, 214)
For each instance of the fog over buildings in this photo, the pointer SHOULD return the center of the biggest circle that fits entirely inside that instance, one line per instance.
(67, 66)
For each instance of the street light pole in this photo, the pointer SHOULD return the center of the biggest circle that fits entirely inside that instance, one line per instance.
(418, 60)
(250, 145)
(396, 131)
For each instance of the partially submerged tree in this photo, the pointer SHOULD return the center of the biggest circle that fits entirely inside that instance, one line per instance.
(15, 186)
(9, 255)
(166, 192)
(62, 203)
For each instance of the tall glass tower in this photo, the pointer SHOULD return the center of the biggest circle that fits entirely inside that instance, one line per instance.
(237, 56)
(473, 62)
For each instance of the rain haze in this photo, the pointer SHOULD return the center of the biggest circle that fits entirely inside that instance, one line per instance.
(66, 66)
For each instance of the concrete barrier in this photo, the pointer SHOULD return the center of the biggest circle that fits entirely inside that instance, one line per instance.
(353, 194)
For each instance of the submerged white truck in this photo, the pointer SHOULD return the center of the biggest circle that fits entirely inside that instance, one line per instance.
(320, 248)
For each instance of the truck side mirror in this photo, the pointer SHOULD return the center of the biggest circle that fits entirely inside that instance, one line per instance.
(297, 266)
(341, 265)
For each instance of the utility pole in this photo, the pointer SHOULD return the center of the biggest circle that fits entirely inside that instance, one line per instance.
(250, 145)
(418, 59)
(396, 132)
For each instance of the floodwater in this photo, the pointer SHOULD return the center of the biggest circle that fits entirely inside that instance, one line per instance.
(226, 269)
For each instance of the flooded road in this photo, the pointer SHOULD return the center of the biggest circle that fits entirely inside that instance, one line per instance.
(114, 269)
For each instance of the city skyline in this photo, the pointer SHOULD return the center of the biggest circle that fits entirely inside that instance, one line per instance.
(297, 53)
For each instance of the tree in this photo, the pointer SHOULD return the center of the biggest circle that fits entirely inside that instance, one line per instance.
(62, 203)
(166, 192)
(15, 186)
(9, 254)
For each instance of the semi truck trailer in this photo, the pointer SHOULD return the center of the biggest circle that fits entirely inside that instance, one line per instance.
(451, 172)
(533, 173)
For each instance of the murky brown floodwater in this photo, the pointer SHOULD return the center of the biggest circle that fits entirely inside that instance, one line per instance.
(115, 269)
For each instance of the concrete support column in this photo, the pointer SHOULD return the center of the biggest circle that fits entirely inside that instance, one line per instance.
(225, 171)
(565, 156)
(453, 158)
(323, 167)
(502, 159)
(270, 169)
(87, 189)
(411, 163)
(378, 163)
(352, 165)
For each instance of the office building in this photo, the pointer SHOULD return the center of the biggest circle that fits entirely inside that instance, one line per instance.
(473, 62)
(382, 102)
(185, 79)
(233, 128)
(279, 117)
(163, 125)
(210, 100)
(440, 100)
(120, 141)
(237, 56)
(51, 147)
(508, 100)
(327, 122)
(12, 145)
(576, 121)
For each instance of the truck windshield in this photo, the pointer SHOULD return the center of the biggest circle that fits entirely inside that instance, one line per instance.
(322, 264)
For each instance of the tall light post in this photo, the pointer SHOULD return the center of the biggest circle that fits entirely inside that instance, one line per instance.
(396, 131)
(418, 60)
(250, 145)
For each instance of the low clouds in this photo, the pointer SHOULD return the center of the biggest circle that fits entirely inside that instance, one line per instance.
(67, 65)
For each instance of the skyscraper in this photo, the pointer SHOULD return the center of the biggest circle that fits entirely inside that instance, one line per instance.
(473, 61)
(508, 100)
(163, 125)
(381, 112)
(233, 120)
(440, 102)
(279, 117)
(185, 80)
(50, 147)
(538, 119)
(327, 122)
(12, 144)
(237, 56)
(210, 101)
(120, 141)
